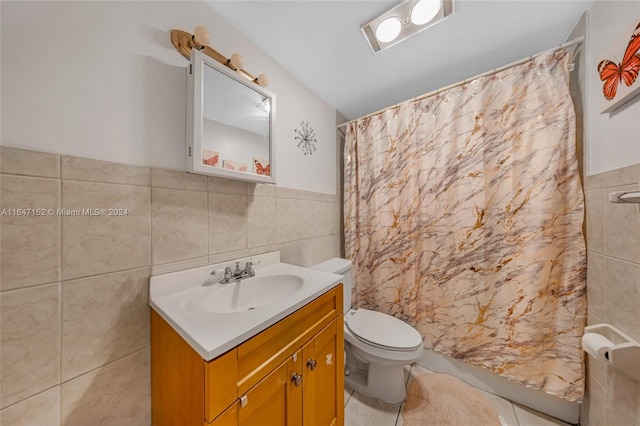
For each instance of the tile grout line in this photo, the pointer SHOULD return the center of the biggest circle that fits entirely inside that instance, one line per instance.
(150, 232)
(208, 224)
(134, 352)
(515, 415)
(612, 257)
(60, 293)
(38, 393)
(406, 385)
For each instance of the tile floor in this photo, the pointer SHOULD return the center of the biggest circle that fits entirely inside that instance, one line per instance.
(363, 411)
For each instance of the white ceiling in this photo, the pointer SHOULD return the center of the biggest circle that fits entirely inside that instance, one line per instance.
(321, 44)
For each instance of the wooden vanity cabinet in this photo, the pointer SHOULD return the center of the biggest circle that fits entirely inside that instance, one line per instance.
(292, 373)
(323, 378)
(275, 400)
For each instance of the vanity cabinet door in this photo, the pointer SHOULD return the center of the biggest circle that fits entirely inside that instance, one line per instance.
(276, 399)
(266, 402)
(295, 372)
(229, 417)
(323, 396)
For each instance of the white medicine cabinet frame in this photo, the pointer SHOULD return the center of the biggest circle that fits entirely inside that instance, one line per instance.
(230, 123)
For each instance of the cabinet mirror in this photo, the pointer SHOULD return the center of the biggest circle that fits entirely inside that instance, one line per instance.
(230, 123)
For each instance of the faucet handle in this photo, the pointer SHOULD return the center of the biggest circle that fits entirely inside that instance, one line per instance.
(227, 272)
(249, 269)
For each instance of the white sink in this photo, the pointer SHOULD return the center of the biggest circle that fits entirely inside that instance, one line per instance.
(214, 318)
(248, 294)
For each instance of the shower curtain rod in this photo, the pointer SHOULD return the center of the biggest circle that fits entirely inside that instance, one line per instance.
(575, 41)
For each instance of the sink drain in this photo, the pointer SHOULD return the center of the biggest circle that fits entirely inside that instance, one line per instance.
(250, 309)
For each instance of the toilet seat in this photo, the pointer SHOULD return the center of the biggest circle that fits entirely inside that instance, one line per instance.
(383, 331)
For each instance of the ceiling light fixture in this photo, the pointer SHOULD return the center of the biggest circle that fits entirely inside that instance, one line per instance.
(424, 11)
(184, 42)
(388, 29)
(404, 20)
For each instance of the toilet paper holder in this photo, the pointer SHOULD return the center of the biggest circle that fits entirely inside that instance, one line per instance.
(623, 353)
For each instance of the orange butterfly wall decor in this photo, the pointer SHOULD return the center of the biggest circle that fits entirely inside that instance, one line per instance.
(619, 77)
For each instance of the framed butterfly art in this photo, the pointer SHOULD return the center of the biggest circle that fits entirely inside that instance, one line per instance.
(618, 70)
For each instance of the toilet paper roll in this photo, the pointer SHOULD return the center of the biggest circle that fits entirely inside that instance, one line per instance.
(596, 345)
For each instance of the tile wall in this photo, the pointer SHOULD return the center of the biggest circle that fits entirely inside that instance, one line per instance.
(613, 292)
(74, 289)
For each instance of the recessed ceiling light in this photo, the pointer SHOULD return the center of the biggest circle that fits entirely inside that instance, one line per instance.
(404, 20)
(388, 29)
(424, 11)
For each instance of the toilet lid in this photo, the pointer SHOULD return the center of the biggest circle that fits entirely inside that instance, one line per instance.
(383, 330)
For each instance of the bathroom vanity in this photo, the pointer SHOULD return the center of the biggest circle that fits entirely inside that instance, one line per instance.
(283, 367)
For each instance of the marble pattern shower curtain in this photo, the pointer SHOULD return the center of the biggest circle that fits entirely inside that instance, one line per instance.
(463, 217)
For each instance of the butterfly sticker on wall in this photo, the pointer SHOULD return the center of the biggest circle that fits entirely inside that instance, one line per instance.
(620, 77)
(261, 167)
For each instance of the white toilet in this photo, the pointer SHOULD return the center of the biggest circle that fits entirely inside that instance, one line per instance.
(377, 345)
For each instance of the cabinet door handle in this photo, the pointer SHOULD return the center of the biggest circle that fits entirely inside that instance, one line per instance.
(311, 364)
(296, 379)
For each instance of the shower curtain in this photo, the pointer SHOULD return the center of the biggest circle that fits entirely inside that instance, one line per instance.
(463, 217)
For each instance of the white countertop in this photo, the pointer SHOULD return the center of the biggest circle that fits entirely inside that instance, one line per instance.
(175, 298)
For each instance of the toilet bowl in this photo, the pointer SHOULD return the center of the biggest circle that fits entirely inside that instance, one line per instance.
(377, 345)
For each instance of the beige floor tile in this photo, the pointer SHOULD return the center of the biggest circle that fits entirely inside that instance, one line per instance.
(364, 411)
(348, 391)
(416, 370)
(360, 410)
(503, 407)
(407, 373)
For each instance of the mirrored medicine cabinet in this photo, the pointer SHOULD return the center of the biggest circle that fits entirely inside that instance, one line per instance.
(229, 123)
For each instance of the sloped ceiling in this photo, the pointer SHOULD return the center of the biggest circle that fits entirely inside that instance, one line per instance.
(321, 44)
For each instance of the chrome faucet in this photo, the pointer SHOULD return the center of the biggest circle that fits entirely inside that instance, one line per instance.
(231, 276)
(248, 268)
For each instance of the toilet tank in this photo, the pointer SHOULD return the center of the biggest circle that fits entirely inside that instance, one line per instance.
(339, 266)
